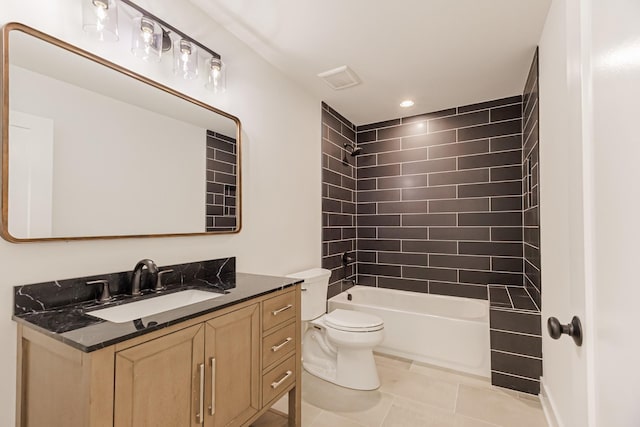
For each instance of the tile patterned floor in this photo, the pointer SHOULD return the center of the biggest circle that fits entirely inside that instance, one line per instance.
(412, 394)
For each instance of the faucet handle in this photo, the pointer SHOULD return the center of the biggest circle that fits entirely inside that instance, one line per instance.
(105, 294)
(159, 286)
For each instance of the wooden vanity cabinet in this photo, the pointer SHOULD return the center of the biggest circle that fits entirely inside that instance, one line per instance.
(223, 369)
(232, 348)
(157, 382)
(205, 374)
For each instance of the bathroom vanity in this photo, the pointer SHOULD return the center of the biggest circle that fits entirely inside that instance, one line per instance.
(219, 362)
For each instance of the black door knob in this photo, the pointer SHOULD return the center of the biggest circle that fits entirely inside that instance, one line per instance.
(573, 329)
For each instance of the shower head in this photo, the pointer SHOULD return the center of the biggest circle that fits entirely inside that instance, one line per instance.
(352, 149)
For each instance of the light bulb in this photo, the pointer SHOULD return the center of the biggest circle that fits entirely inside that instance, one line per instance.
(101, 9)
(100, 19)
(185, 59)
(146, 39)
(216, 76)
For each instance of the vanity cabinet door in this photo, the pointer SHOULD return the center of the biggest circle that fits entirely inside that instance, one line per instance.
(232, 356)
(161, 382)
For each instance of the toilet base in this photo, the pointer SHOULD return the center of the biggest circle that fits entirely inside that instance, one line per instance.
(351, 368)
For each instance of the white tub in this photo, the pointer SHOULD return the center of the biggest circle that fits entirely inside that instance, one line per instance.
(445, 331)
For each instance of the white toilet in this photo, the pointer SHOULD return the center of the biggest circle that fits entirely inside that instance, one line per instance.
(337, 346)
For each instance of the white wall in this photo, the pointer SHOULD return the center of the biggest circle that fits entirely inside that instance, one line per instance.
(280, 167)
(145, 175)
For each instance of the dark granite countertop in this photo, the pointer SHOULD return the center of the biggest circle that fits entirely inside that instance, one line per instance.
(72, 325)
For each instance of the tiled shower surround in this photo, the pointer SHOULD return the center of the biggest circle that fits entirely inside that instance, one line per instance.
(440, 200)
(338, 199)
(514, 315)
(530, 173)
(446, 203)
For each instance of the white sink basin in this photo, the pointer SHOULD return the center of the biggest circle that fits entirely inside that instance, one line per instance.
(147, 307)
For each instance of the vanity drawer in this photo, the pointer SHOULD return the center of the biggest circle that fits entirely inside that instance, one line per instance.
(278, 310)
(278, 344)
(278, 379)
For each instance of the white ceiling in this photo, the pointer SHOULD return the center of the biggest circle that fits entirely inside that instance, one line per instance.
(440, 53)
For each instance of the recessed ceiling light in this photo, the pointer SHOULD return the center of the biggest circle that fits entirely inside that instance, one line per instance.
(407, 103)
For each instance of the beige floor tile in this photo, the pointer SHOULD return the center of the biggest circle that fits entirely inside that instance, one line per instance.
(471, 422)
(309, 414)
(449, 375)
(417, 387)
(498, 407)
(404, 413)
(374, 413)
(327, 419)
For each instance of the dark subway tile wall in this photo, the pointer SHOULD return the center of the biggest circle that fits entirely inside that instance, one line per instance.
(221, 182)
(439, 200)
(440, 208)
(338, 199)
(530, 184)
(516, 338)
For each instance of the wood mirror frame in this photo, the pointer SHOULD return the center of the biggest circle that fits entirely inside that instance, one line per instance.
(4, 125)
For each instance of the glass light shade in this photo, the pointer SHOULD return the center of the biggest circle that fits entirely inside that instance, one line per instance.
(217, 76)
(185, 59)
(146, 39)
(100, 19)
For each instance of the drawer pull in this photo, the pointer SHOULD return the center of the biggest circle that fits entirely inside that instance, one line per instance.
(283, 379)
(200, 414)
(282, 344)
(212, 408)
(286, 307)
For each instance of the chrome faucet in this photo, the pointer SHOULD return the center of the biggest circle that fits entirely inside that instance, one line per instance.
(152, 275)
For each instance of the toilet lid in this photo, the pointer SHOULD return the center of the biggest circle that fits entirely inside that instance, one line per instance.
(350, 320)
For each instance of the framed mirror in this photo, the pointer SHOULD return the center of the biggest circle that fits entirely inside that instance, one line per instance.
(92, 150)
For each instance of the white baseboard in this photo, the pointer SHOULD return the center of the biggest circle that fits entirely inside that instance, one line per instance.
(548, 406)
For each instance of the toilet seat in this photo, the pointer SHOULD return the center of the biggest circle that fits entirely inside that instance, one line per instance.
(353, 321)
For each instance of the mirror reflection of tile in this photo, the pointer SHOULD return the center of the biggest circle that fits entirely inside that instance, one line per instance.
(221, 182)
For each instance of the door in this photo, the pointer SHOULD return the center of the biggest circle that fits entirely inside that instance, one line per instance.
(615, 48)
(564, 214)
(31, 175)
(161, 382)
(232, 352)
(589, 148)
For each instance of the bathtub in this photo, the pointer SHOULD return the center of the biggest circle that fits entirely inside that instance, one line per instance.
(450, 332)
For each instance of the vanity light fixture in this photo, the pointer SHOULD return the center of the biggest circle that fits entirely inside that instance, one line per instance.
(146, 39)
(100, 19)
(216, 79)
(407, 103)
(185, 59)
(151, 37)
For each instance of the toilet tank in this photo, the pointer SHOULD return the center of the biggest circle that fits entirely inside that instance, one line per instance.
(314, 298)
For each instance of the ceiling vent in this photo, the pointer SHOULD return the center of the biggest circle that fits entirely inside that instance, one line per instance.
(340, 78)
